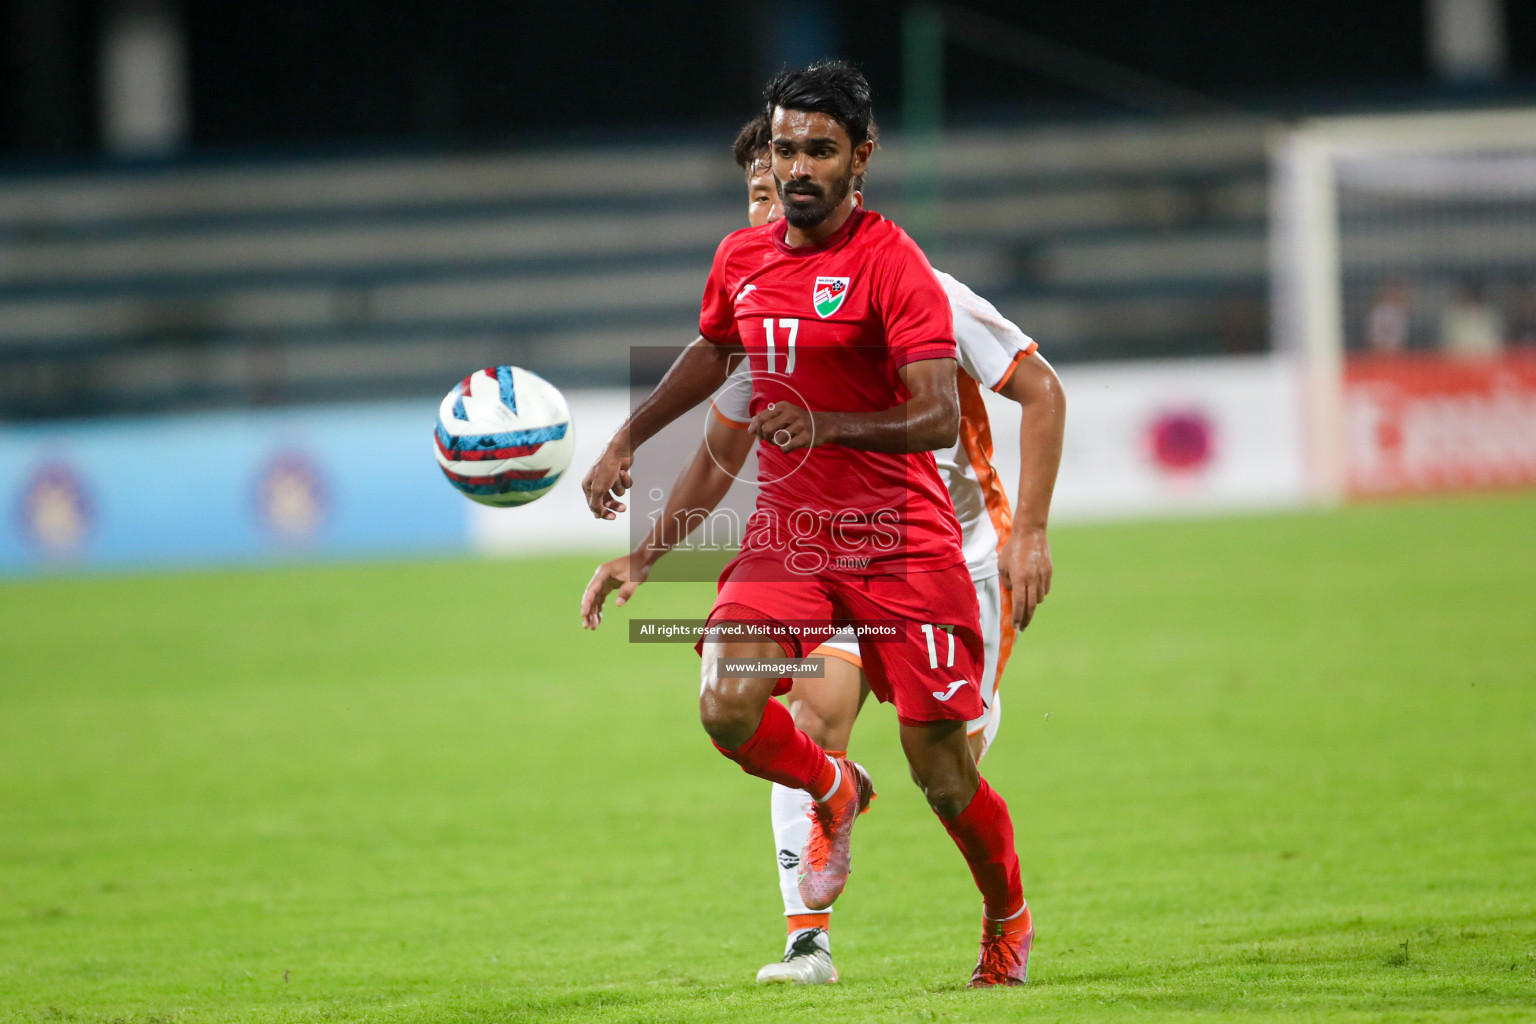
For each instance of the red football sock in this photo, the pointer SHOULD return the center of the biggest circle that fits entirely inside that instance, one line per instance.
(984, 833)
(781, 753)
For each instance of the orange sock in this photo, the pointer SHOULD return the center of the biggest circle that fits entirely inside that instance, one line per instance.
(800, 921)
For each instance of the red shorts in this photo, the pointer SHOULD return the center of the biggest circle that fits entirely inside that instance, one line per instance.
(920, 633)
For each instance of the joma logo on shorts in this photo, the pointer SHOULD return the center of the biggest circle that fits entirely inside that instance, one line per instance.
(954, 687)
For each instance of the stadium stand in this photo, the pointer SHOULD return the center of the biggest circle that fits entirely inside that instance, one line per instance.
(280, 281)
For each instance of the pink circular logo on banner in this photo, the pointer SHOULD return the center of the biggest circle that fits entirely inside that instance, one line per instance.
(56, 512)
(1182, 442)
(291, 498)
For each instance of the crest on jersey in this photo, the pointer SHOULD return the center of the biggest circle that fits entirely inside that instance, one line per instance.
(829, 295)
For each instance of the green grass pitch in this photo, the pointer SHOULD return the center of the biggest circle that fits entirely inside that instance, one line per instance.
(1261, 768)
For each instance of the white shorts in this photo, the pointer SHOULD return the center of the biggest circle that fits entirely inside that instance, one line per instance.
(996, 641)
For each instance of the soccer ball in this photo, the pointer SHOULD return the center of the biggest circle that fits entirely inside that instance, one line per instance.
(504, 436)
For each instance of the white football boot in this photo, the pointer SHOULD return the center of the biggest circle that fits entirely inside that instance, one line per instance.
(807, 961)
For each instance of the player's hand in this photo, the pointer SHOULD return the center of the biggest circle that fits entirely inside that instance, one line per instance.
(622, 574)
(784, 425)
(606, 481)
(1025, 569)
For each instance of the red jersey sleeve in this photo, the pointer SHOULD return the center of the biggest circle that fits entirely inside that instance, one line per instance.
(717, 314)
(913, 307)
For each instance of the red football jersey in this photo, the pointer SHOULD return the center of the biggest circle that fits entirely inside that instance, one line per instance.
(827, 327)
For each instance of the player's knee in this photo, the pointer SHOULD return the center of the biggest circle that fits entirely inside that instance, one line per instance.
(947, 791)
(948, 801)
(729, 719)
(716, 715)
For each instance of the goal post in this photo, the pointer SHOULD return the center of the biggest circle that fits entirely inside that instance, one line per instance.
(1407, 237)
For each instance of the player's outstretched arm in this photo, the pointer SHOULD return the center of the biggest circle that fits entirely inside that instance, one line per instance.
(698, 371)
(698, 490)
(1025, 560)
(700, 487)
(928, 420)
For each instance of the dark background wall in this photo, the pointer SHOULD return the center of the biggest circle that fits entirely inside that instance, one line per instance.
(308, 71)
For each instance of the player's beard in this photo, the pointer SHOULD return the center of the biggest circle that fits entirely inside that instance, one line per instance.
(812, 214)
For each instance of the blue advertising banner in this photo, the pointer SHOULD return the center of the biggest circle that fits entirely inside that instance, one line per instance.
(333, 482)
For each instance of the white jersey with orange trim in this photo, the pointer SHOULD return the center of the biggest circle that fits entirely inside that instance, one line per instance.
(990, 348)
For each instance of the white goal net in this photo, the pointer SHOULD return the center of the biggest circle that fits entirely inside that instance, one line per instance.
(1404, 278)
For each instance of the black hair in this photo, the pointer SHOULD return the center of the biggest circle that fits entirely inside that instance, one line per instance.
(832, 87)
(752, 142)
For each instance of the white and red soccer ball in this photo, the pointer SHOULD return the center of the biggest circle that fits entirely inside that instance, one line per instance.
(504, 436)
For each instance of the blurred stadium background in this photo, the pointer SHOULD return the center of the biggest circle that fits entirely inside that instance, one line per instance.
(1282, 254)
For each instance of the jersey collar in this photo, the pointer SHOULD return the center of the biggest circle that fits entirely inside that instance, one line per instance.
(781, 228)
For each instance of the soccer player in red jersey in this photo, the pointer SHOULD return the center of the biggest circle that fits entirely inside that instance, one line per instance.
(853, 365)
(1008, 557)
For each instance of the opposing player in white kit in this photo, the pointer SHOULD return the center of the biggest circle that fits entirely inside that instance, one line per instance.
(1008, 556)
